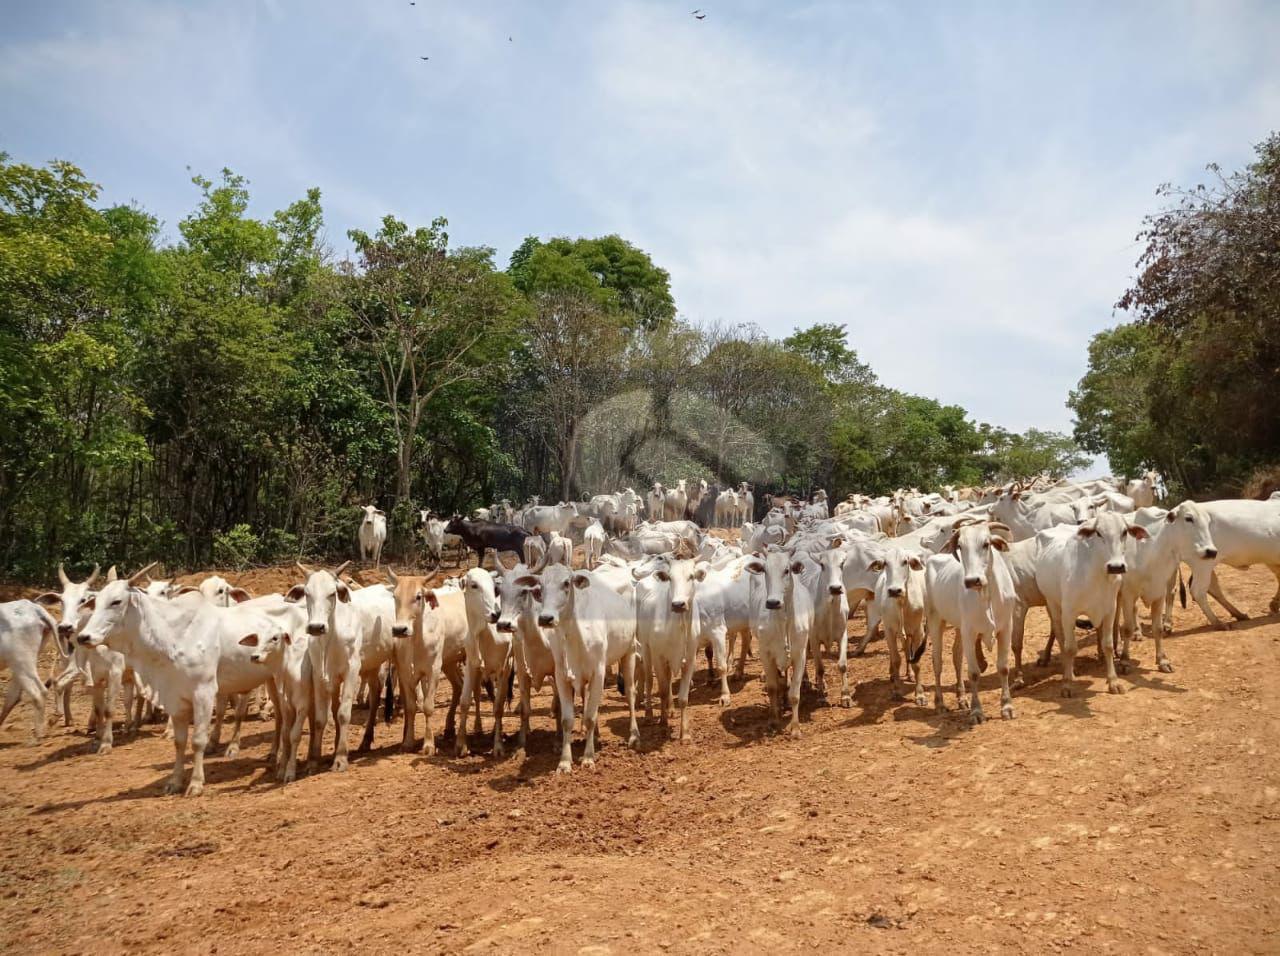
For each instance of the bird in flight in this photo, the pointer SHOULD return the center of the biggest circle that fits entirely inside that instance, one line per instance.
(424, 58)
(698, 14)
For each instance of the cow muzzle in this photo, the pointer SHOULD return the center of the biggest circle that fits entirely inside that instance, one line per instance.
(773, 604)
(1116, 567)
(315, 630)
(85, 640)
(680, 606)
(547, 620)
(506, 627)
(65, 629)
(839, 589)
(975, 584)
(895, 592)
(1210, 552)
(400, 630)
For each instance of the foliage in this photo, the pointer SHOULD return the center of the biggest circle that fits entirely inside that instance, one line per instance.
(233, 395)
(1189, 385)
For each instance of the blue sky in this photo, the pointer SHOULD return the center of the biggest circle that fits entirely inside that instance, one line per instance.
(959, 183)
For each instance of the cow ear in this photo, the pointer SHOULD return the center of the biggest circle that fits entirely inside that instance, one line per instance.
(528, 581)
(915, 563)
(296, 594)
(877, 566)
(952, 543)
(1088, 529)
(49, 599)
(249, 640)
(581, 580)
(999, 543)
(662, 575)
(837, 542)
(432, 599)
(700, 573)
(1138, 532)
(240, 595)
(343, 592)
(797, 567)
(755, 567)
(1170, 516)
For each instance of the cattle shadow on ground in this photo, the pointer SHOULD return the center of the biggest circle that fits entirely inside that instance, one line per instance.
(81, 744)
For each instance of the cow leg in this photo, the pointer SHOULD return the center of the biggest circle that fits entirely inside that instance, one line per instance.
(819, 665)
(470, 686)
(771, 682)
(799, 650)
(1275, 599)
(1019, 631)
(743, 652)
(1215, 588)
(524, 682)
(321, 707)
(32, 687)
(565, 692)
(342, 715)
(181, 728)
(219, 706)
(298, 707)
(103, 699)
(891, 642)
(969, 644)
(722, 664)
(1126, 625)
(1157, 633)
(242, 707)
(935, 638)
(1106, 641)
(374, 682)
(454, 673)
(591, 710)
(916, 670)
(408, 694)
(201, 712)
(1064, 621)
(1004, 642)
(66, 704)
(277, 738)
(499, 706)
(663, 671)
(959, 665)
(629, 671)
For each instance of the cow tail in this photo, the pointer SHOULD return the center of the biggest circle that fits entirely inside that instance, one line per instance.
(1182, 588)
(915, 658)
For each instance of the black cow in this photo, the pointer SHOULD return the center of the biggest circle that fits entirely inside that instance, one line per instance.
(478, 535)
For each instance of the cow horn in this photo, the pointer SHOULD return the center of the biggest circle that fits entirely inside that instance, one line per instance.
(303, 568)
(342, 567)
(141, 572)
(391, 576)
(62, 575)
(93, 577)
(999, 526)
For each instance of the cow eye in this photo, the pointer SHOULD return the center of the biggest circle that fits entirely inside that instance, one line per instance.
(117, 602)
(1188, 520)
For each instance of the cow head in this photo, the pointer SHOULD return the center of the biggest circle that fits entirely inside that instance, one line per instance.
(1104, 538)
(266, 644)
(322, 592)
(556, 587)
(974, 544)
(898, 565)
(514, 599)
(74, 602)
(109, 611)
(1191, 525)
(481, 601)
(219, 592)
(777, 569)
(681, 575)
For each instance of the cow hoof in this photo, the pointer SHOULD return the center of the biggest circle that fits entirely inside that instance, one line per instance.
(103, 748)
(939, 707)
(428, 748)
(1114, 688)
(1122, 667)
(976, 717)
(895, 694)
(408, 747)
(589, 763)
(962, 705)
(1007, 712)
(725, 700)
(1042, 660)
(1019, 683)
(462, 750)
(233, 750)
(339, 764)
(1226, 625)
(195, 788)
(1244, 617)
(846, 700)
(564, 767)
(171, 787)
(498, 752)
(634, 741)
(1166, 667)
(287, 777)
(1066, 691)
(920, 701)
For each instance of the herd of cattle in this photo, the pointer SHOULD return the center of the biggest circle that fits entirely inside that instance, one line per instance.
(652, 594)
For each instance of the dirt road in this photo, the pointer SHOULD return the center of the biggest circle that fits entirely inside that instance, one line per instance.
(1143, 822)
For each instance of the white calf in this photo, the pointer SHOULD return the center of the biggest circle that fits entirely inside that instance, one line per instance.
(667, 631)
(593, 541)
(24, 628)
(782, 619)
(899, 598)
(488, 653)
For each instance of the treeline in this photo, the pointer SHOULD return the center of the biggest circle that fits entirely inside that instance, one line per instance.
(229, 395)
(1190, 383)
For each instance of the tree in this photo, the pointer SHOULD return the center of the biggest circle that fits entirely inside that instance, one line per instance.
(429, 317)
(1112, 403)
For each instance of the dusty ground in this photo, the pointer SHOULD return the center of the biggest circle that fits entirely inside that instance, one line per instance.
(1143, 822)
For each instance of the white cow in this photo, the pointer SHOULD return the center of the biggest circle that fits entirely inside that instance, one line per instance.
(824, 576)
(1079, 573)
(436, 538)
(968, 586)
(782, 619)
(559, 550)
(335, 632)
(434, 625)
(900, 601)
(675, 501)
(379, 649)
(284, 653)
(667, 631)
(1245, 533)
(593, 542)
(174, 647)
(746, 504)
(724, 616)
(373, 534)
(488, 654)
(592, 627)
(655, 502)
(531, 646)
(542, 519)
(25, 627)
(727, 508)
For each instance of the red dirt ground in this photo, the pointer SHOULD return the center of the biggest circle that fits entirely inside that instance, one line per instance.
(1143, 822)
